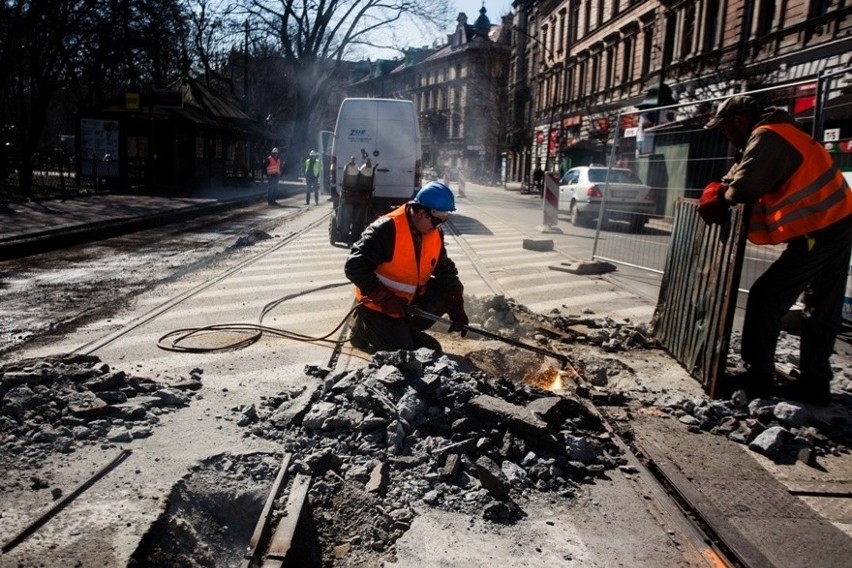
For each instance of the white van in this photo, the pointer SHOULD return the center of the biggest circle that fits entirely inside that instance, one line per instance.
(387, 132)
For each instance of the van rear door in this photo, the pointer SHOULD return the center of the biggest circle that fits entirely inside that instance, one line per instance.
(387, 132)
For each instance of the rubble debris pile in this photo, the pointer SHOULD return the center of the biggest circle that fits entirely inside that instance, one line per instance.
(770, 427)
(413, 428)
(609, 334)
(59, 403)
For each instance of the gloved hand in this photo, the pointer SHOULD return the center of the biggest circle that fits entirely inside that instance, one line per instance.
(454, 304)
(390, 303)
(712, 205)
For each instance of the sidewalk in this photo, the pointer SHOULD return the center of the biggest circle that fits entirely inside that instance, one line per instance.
(27, 228)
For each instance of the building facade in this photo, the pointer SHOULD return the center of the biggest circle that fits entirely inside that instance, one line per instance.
(460, 94)
(575, 65)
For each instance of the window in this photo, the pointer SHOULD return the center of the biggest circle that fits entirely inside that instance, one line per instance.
(600, 13)
(574, 23)
(647, 50)
(819, 8)
(561, 41)
(616, 8)
(627, 62)
(609, 78)
(587, 18)
(765, 19)
(569, 84)
(711, 25)
(688, 27)
(596, 64)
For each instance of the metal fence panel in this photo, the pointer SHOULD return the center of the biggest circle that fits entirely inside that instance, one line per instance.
(698, 293)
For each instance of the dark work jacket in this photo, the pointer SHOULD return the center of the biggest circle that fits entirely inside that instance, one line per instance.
(376, 247)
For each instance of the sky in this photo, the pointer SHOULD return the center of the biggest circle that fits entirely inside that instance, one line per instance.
(494, 10)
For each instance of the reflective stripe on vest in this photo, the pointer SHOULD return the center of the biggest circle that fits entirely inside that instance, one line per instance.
(403, 275)
(814, 197)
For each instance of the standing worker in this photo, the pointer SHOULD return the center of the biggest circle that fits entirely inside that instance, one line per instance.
(273, 170)
(312, 171)
(400, 261)
(797, 196)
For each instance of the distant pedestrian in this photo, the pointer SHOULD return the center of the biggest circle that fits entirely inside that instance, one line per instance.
(538, 180)
(273, 171)
(312, 172)
(460, 182)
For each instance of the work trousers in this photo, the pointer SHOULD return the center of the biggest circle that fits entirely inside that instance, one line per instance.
(272, 189)
(387, 333)
(819, 270)
(311, 184)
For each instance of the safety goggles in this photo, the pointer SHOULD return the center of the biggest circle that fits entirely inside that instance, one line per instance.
(437, 219)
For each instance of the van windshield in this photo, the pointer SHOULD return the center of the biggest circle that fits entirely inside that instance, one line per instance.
(598, 175)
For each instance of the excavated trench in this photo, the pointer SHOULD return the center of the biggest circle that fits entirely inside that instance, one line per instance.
(412, 430)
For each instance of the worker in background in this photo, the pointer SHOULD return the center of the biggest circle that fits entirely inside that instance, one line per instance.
(799, 197)
(312, 172)
(273, 171)
(400, 261)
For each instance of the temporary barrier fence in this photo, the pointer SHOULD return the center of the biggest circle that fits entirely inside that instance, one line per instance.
(671, 152)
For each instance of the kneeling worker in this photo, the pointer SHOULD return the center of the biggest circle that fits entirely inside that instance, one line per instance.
(400, 261)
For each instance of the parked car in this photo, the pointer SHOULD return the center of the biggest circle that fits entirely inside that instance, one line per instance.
(581, 192)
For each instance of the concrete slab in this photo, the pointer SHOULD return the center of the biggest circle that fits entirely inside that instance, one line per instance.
(584, 267)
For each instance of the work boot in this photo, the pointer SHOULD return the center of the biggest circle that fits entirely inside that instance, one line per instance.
(813, 391)
(756, 384)
(422, 339)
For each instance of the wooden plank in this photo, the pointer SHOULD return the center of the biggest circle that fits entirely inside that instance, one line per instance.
(262, 529)
(282, 540)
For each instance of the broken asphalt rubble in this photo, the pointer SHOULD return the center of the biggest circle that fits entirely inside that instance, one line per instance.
(414, 427)
(58, 403)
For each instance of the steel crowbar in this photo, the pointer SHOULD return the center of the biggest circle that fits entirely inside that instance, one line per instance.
(424, 314)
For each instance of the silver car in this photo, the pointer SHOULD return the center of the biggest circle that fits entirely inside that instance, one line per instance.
(628, 199)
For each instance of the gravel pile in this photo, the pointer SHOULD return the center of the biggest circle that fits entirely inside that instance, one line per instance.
(58, 404)
(412, 428)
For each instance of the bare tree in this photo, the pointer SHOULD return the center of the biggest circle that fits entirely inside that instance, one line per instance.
(76, 52)
(314, 36)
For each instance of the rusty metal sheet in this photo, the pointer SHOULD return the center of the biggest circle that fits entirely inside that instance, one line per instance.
(698, 293)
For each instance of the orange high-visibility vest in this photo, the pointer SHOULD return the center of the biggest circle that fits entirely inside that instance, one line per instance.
(273, 166)
(404, 275)
(814, 197)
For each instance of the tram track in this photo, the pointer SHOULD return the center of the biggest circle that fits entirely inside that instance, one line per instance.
(693, 531)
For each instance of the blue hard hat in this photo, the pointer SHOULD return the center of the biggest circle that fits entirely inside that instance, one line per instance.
(435, 195)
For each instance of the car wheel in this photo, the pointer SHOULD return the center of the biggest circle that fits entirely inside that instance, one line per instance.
(637, 223)
(576, 219)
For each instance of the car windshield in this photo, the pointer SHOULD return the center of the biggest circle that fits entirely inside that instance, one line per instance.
(616, 176)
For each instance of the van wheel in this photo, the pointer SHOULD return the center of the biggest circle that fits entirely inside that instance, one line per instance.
(333, 231)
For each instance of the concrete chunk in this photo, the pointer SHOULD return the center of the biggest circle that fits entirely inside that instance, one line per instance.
(451, 468)
(539, 245)
(584, 267)
(378, 479)
(517, 417)
(491, 477)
